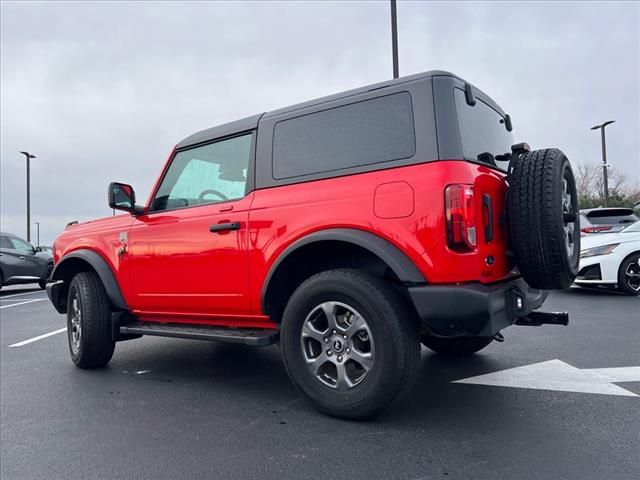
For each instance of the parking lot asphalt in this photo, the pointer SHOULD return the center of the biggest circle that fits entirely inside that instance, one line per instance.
(168, 408)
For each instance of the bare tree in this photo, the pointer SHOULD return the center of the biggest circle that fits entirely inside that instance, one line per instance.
(590, 187)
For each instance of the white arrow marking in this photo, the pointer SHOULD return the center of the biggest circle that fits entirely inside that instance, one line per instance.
(560, 376)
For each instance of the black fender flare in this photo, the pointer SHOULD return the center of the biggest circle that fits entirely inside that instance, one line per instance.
(398, 262)
(100, 266)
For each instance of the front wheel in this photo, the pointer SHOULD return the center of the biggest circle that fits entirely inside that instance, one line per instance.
(349, 343)
(88, 322)
(629, 275)
(455, 346)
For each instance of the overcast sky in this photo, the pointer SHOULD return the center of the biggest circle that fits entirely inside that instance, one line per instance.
(102, 91)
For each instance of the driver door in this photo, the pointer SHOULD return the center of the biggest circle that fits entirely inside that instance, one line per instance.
(187, 255)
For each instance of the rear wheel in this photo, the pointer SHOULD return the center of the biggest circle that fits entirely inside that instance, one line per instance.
(543, 219)
(455, 346)
(349, 344)
(629, 275)
(88, 322)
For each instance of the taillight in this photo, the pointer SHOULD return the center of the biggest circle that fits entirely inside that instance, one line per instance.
(460, 214)
(594, 229)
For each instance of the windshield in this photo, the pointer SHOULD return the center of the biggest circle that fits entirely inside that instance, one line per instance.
(483, 131)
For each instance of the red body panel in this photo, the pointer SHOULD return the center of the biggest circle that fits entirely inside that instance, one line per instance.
(176, 270)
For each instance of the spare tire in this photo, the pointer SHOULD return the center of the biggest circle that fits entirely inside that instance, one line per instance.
(543, 218)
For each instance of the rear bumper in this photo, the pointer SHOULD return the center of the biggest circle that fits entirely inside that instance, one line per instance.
(57, 293)
(474, 309)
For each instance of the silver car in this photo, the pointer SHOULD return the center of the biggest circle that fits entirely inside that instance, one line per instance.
(21, 262)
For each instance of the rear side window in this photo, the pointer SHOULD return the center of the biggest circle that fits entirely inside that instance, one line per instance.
(5, 243)
(482, 131)
(363, 133)
(611, 217)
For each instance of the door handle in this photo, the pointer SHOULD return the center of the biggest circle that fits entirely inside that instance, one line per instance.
(222, 227)
(21, 257)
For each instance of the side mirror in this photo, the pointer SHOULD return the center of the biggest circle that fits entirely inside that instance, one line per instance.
(38, 249)
(122, 197)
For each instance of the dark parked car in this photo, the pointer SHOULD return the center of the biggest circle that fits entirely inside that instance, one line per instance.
(21, 262)
(606, 220)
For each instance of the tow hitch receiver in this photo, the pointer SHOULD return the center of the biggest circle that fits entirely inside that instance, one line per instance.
(535, 319)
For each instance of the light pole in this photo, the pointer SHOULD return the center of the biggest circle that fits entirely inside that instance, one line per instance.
(394, 38)
(38, 234)
(29, 157)
(604, 158)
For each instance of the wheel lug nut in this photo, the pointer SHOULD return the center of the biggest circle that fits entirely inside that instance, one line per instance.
(348, 350)
(339, 359)
(329, 353)
(333, 331)
(326, 340)
(344, 336)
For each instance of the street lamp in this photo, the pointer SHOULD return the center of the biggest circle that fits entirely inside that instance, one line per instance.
(38, 234)
(604, 158)
(28, 157)
(394, 38)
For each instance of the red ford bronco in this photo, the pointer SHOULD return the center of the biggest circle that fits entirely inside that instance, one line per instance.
(350, 229)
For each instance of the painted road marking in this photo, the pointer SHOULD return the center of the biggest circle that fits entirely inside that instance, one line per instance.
(20, 294)
(22, 303)
(560, 376)
(40, 337)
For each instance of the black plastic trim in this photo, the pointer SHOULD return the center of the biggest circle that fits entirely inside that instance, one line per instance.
(56, 293)
(398, 262)
(488, 227)
(101, 267)
(253, 337)
(474, 309)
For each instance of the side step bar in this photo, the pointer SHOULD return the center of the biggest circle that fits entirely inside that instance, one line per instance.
(248, 336)
(535, 319)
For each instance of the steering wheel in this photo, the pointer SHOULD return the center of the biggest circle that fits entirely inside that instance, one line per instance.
(215, 192)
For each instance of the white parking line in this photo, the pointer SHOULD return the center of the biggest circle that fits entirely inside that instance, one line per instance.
(22, 303)
(40, 337)
(20, 294)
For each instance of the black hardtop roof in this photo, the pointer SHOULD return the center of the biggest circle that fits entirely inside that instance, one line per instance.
(250, 123)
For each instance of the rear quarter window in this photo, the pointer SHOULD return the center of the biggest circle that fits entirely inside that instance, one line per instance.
(364, 133)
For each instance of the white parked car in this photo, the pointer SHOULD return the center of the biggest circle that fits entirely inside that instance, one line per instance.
(612, 259)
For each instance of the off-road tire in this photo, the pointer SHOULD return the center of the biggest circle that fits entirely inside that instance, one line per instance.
(455, 346)
(96, 344)
(622, 279)
(394, 333)
(537, 220)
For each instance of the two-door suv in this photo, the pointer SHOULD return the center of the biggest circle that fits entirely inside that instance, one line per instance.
(350, 229)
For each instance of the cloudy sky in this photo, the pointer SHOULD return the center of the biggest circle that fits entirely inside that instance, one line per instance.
(102, 91)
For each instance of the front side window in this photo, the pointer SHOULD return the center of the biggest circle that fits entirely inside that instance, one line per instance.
(482, 131)
(208, 174)
(21, 245)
